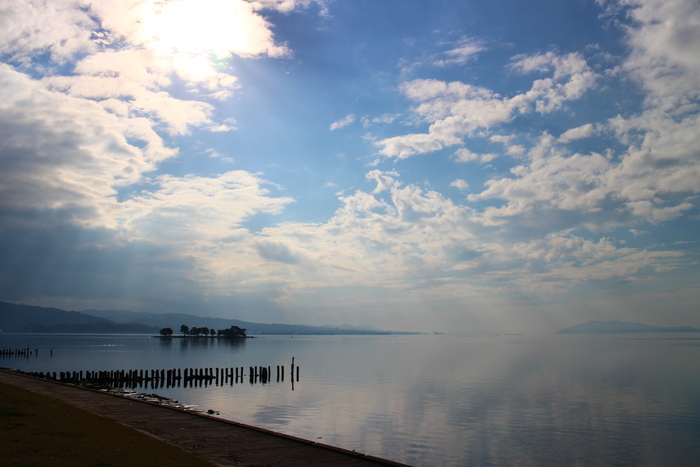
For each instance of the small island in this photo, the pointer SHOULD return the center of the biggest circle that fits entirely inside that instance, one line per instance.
(233, 332)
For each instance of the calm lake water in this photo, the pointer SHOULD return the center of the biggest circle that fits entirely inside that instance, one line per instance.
(448, 400)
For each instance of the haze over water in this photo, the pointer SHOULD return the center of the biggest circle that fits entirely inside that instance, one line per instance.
(447, 400)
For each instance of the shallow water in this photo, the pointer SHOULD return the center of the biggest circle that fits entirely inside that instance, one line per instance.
(447, 400)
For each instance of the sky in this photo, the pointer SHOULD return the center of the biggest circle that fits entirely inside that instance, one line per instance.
(452, 166)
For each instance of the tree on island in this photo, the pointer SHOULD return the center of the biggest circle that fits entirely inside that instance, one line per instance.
(166, 332)
(230, 333)
(233, 332)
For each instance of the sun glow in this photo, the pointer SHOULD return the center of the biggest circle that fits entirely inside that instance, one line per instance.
(219, 27)
(194, 37)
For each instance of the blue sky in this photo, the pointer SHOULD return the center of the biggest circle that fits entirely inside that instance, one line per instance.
(459, 166)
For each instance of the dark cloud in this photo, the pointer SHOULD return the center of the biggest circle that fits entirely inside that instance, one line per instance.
(64, 260)
(274, 251)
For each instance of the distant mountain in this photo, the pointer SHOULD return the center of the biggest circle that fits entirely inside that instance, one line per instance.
(26, 318)
(175, 320)
(609, 327)
(349, 327)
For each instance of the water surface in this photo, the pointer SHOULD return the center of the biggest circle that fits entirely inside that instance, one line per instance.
(448, 400)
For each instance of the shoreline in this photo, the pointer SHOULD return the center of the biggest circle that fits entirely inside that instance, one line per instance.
(220, 441)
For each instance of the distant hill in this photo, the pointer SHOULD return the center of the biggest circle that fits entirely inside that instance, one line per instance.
(363, 327)
(27, 318)
(610, 327)
(175, 320)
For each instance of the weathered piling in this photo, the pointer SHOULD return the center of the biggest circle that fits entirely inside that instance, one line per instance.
(171, 377)
(26, 353)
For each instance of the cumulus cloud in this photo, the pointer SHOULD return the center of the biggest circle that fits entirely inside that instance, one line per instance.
(72, 141)
(59, 151)
(79, 149)
(88, 114)
(402, 237)
(197, 208)
(455, 110)
(460, 184)
(131, 50)
(656, 179)
(664, 57)
(576, 133)
(110, 110)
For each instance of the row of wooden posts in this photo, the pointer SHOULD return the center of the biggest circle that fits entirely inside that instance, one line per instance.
(132, 379)
(19, 352)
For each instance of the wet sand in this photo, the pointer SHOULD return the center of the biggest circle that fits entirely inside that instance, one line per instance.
(77, 420)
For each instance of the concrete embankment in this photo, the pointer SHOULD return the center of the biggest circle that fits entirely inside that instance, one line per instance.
(218, 441)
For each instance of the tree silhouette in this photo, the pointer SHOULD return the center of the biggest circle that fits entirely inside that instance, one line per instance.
(233, 332)
(167, 332)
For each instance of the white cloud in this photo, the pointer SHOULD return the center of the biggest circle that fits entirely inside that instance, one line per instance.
(465, 155)
(664, 57)
(451, 53)
(79, 145)
(655, 180)
(515, 150)
(63, 152)
(571, 78)
(401, 237)
(61, 29)
(197, 209)
(464, 51)
(583, 131)
(460, 184)
(456, 109)
(382, 119)
(130, 50)
(111, 111)
(343, 122)
(385, 180)
(287, 6)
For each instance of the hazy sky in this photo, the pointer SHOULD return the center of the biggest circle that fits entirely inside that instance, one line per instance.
(471, 166)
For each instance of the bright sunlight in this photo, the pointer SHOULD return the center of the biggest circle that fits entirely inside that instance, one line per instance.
(219, 27)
